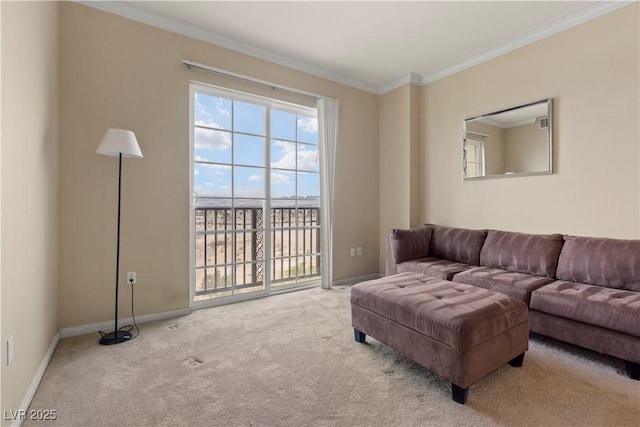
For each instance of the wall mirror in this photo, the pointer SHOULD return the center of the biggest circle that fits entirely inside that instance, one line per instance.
(509, 143)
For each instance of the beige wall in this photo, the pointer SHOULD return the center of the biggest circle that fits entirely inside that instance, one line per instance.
(591, 71)
(399, 161)
(119, 73)
(1, 334)
(29, 191)
(415, 115)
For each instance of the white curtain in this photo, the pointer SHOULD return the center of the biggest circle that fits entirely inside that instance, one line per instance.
(328, 112)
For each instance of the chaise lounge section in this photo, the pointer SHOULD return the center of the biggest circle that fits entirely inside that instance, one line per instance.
(582, 290)
(595, 303)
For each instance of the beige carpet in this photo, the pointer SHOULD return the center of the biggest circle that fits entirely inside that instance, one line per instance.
(290, 360)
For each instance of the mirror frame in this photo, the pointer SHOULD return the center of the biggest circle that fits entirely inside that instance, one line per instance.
(549, 170)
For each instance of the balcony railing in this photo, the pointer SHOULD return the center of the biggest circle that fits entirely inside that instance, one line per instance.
(230, 248)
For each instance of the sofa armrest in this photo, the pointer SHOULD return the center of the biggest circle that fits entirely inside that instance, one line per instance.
(405, 245)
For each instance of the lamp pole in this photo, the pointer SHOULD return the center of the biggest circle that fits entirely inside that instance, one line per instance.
(115, 327)
(117, 336)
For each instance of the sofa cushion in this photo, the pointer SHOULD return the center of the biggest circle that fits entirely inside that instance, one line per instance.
(535, 254)
(433, 267)
(606, 262)
(456, 244)
(513, 284)
(614, 309)
(410, 244)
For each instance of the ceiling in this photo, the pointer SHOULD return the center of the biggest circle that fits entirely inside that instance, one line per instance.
(375, 46)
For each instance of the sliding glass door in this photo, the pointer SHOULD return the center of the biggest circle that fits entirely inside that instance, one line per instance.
(255, 208)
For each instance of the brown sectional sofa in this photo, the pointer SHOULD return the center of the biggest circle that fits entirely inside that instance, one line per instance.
(582, 290)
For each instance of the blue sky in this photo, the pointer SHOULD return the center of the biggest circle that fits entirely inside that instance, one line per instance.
(293, 143)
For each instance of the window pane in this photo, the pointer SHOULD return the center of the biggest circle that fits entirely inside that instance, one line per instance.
(283, 125)
(212, 180)
(471, 152)
(283, 155)
(200, 280)
(200, 214)
(219, 252)
(308, 185)
(283, 215)
(248, 118)
(283, 184)
(248, 182)
(248, 150)
(199, 261)
(307, 157)
(212, 111)
(248, 214)
(308, 129)
(212, 145)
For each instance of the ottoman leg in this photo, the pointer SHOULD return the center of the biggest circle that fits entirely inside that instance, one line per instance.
(633, 369)
(459, 394)
(517, 361)
(360, 337)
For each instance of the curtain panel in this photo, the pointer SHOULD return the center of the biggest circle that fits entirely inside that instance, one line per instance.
(328, 112)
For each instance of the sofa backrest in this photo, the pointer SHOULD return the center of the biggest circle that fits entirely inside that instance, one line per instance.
(456, 244)
(535, 254)
(613, 263)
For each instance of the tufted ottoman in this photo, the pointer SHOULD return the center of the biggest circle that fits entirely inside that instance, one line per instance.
(458, 331)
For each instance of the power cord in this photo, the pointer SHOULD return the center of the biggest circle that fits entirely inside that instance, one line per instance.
(128, 328)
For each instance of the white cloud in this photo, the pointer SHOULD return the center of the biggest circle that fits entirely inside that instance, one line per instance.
(255, 178)
(211, 139)
(202, 112)
(220, 107)
(286, 146)
(288, 161)
(208, 123)
(308, 124)
(308, 159)
(205, 113)
(280, 178)
(215, 169)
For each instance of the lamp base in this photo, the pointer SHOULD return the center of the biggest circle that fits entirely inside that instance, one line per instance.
(115, 337)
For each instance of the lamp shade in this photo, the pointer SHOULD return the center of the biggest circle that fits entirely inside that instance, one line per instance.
(119, 141)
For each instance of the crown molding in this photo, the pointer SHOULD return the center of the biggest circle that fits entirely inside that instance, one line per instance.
(135, 13)
(411, 78)
(583, 15)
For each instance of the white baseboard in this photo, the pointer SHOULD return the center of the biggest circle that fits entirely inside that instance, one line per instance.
(353, 280)
(108, 325)
(33, 387)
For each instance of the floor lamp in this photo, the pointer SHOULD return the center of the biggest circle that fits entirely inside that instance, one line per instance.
(118, 143)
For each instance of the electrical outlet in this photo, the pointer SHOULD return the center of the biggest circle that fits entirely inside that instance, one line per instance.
(10, 350)
(353, 251)
(131, 277)
(359, 250)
